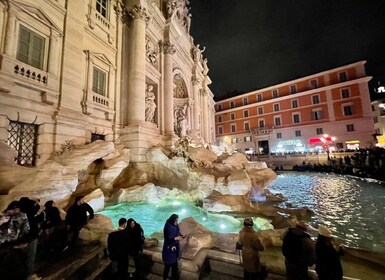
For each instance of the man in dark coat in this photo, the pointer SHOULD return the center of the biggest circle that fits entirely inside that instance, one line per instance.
(328, 264)
(299, 252)
(117, 246)
(76, 218)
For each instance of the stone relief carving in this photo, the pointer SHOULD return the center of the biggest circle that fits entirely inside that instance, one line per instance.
(151, 51)
(179, 10)
(180, 120)
(138, 12)
(150, 104)
(168, 48)
(205, 67)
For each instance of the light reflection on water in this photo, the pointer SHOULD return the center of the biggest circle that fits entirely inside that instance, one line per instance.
(351, 207)
(152, 216)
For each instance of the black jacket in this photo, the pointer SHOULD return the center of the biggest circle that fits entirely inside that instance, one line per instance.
(77, 215)
(117, 245)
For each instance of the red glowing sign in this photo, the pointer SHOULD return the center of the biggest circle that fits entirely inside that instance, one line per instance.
(317, 140)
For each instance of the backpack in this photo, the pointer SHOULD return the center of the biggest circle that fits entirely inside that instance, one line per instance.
(292, 246)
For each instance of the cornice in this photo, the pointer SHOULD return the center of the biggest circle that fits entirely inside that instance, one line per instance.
(56, 6)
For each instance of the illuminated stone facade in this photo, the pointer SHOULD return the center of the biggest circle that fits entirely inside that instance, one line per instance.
(328, 110)
(123, 71)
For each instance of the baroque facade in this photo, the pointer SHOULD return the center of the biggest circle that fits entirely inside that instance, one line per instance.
(327, 111)
(76, 71)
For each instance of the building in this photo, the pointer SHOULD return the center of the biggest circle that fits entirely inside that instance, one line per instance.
(77, 71)
(326, 111)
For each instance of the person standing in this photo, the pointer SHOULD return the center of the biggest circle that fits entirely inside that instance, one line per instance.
(171, 248)
(14, 238)
(76, 218)
(117, 246)
(328, 264)
(251, 244)
(299, 252)
(135, 243)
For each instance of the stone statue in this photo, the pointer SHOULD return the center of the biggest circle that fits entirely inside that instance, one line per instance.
(205, 67)
(197, 53)
(170, 6)
(181, 120)
(188, 22)
(150, 51)
(150, 104)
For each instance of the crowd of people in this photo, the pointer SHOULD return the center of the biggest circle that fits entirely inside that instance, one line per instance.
(26, 232)
(367, 163)
(299, 250)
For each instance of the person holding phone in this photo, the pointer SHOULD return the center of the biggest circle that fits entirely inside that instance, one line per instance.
(171, 248)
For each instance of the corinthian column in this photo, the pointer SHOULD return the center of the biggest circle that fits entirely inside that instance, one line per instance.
(10, 38)
(205, 119)
(136, 67)
(168, 50)
(196, 112)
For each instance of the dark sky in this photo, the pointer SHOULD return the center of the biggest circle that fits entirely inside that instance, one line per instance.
(252, 44)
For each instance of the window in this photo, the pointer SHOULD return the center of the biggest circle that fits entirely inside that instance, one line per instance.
(246, 125)
(342, 77)
(277, 121)
(30, 48)
(245, 113)
(259, 97)
(99, 82)
(279, 135)
(296, 118)
(220, 107)
(298, 133)
(345, 93)
(233, 128)
(95, 136)
(260, 110)
(247, 139)
(317, 115)
(294, 103)
(261, 123)
(319, 131)
(350, 127)
(313, 83)
(232, 104)
(220, 119)
(232, 116)
(348, 110)
(101, 7)
(220, 130)
(245, 101)
(276, 107)
(375, 119)
(293, 89)
(315, 99)
(275, 93)
(234, 140)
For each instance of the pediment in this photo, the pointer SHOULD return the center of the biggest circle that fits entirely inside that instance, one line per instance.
(38, 14)
(100, 56)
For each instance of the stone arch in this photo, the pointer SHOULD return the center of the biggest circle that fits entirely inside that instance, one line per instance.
(180, 88)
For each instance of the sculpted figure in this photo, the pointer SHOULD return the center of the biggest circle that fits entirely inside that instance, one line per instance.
(205, 67)
(150, 51)
(170, 6)
(181, 121)
(150, 104)
(197, 53)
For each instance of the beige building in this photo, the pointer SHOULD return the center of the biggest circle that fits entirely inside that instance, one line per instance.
(73, 71)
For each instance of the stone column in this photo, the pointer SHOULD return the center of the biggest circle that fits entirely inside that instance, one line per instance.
(205, 119)
(195, 83)
(168, 50)
(54, 55)
(137, 69)
(10, 38)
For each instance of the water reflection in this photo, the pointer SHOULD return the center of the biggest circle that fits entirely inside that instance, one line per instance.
(351, 207)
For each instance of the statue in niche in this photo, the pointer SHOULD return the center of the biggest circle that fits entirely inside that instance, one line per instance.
(197, 53)
(170, 6)
(150, 104)
(181, 120)
(151, 51)
(205, 67)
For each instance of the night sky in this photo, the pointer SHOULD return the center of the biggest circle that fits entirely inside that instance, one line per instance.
(252, 44)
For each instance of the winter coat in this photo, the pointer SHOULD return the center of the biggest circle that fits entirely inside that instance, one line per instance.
(328, 264)
(49, 217)
(135, 237)
(170, 252)
(77, 215)
(250, 247)
(117, 245)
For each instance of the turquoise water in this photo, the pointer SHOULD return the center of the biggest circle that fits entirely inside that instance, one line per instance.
(352, 207)
(152, 216)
